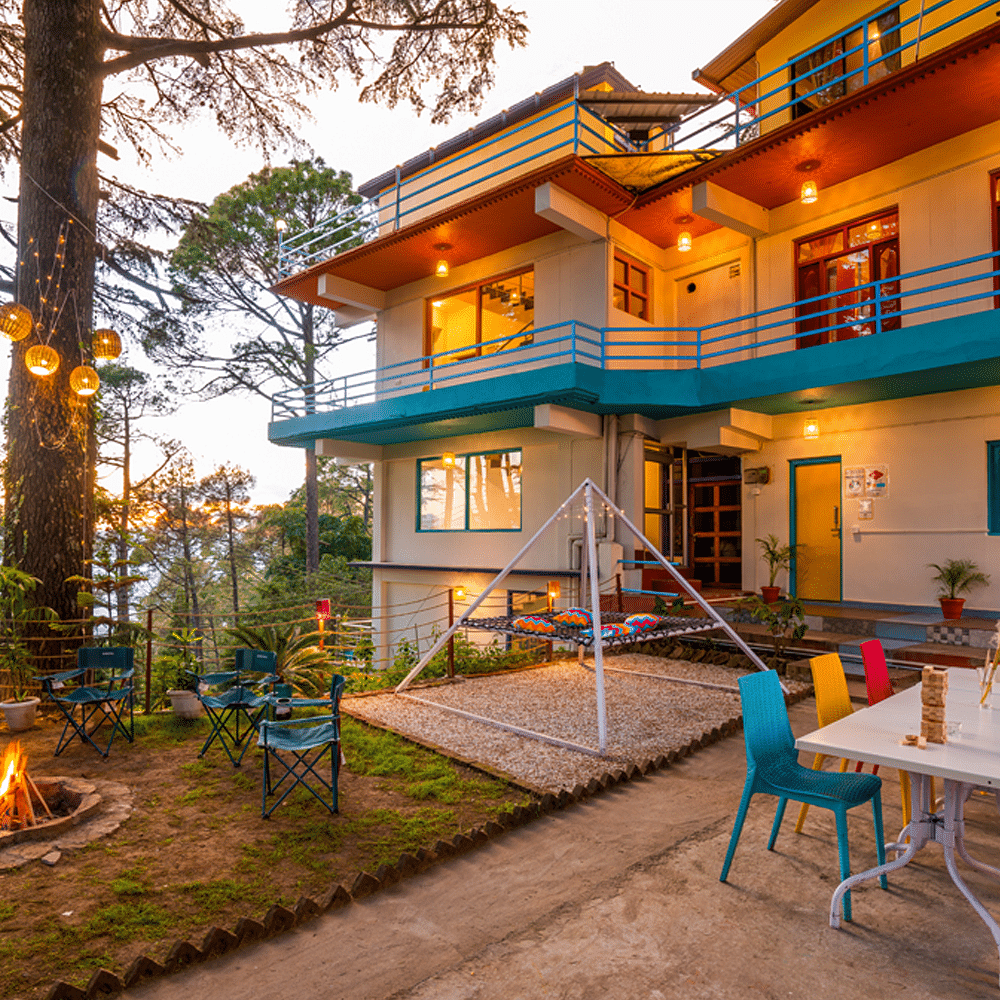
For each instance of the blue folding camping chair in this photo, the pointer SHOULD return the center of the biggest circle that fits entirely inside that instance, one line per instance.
(304, 742)
(230, 700)
(102, 693)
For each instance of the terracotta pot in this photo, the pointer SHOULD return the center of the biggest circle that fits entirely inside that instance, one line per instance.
(951, 607)
(770, 594)
(19, 715)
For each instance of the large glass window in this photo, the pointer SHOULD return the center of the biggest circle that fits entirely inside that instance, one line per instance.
(993, 487)
(819, 77)
(494, 315)
(829, 265)
(478, 492)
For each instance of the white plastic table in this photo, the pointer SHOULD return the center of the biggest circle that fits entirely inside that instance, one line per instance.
(968, 761)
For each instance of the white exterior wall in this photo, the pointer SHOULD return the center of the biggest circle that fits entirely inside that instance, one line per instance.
(935, 449)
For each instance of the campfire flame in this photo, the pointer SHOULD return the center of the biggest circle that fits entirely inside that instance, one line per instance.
(15, 794)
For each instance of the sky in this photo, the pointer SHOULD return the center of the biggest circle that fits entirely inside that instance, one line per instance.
(655, 44)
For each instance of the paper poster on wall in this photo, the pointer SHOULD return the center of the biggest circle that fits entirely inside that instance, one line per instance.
(866, 510)
(877, 481)
(854, 482)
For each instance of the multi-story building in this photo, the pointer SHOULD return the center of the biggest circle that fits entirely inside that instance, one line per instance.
(769, 311)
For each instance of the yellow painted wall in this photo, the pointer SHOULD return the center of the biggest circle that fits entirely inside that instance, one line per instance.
(829, 19)
(935, 448)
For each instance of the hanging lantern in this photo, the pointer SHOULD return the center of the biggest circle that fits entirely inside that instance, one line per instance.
(448, 460)
(809, 192)
(84, 381)
(41, 359)
(15, 322)
(107, 345)
(684, 242)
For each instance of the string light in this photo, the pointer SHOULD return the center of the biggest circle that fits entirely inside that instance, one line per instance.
(84, 381)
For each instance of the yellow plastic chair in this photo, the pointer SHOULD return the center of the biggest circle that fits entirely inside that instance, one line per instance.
(833, 702)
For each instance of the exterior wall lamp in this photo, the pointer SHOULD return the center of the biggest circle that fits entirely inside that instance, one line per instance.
(811, 429)
(459, 593)
(448, 460)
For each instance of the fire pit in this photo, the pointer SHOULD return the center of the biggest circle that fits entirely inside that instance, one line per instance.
(37, 809)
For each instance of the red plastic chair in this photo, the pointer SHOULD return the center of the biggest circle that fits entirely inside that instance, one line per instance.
(879, 688)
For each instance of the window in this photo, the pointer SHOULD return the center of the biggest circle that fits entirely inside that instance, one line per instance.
(819, 77)
(631, 288)
(830, 264)
(494, 315)
(478, 492)
(993, 487)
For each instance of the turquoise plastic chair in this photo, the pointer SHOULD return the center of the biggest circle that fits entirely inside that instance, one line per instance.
(304, 743)
(773, 768)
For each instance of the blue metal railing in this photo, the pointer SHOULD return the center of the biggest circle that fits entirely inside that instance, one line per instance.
(970, 285)
(741, 123)
(579, 131)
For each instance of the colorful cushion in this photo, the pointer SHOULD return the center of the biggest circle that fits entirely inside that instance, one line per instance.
(574, 616)
(613, 631)
(643, 622)
(534, 623)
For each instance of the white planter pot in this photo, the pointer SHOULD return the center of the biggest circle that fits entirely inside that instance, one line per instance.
(185, 704)
(19, 715)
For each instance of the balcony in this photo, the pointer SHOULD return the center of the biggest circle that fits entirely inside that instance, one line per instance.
(480, 200)
(929, 330)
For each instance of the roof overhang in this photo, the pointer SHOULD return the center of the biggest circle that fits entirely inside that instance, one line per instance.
(715, 74)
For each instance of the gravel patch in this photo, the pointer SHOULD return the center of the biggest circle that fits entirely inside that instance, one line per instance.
(646, 716)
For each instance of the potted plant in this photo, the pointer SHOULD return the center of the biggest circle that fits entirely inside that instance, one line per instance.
(785, 622)
(16, 666)
(956, 576)
(183, 696)
(777, 557)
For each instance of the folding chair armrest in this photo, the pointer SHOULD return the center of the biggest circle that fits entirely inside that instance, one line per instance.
(46, 680)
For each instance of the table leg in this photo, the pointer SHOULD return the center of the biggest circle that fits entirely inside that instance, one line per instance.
(955, 794)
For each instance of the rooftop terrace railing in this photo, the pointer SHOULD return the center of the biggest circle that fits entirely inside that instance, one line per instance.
(753, 103)
(964, 286)
(569, 127)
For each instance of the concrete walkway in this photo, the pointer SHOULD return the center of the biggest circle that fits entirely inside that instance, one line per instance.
(619, 897)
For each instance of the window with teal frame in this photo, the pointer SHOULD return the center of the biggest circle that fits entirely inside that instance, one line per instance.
(480, 491)
(993, 487)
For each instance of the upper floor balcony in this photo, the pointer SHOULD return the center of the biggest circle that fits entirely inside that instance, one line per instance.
(904, 78)
(929, 330)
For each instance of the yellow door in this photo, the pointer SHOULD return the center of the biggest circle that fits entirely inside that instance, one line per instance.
(817, 531)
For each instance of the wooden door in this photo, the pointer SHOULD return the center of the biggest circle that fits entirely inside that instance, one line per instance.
(816, 530)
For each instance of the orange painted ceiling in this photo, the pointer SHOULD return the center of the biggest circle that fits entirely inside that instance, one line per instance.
(947, 94)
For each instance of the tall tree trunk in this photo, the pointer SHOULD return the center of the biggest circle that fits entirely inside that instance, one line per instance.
(122, 555)
(231, 532)
(50, 441)
(312, 475)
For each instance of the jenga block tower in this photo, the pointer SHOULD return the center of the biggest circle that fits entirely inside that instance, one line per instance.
(933, 694)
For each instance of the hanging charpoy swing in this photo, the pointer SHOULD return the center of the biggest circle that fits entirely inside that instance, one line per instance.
(587, 628)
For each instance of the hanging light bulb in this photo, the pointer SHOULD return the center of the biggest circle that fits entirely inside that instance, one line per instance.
(84, 381)
(107, 345)
(41, 360)
(15, 322)
(442, 269)
(684, 242)
(809, 192)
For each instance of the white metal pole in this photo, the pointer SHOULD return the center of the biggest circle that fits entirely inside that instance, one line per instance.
(497, 580)
(595, 612)
(672, 570)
